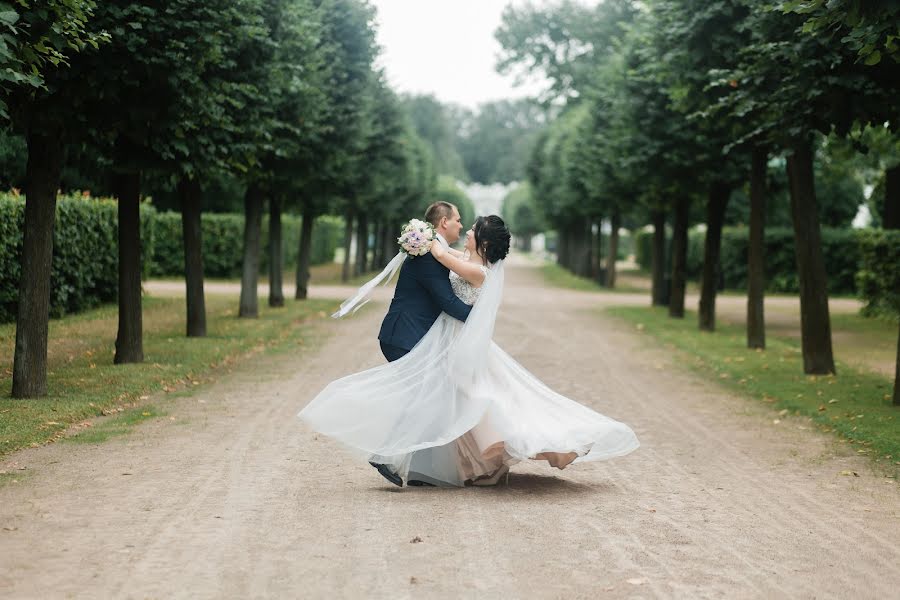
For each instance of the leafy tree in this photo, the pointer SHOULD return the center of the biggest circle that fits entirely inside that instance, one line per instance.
(522, 215)
(562, 42)
(41, 37)
(868, 28)
(339, 172)
(495, 142)
(38, 40)
(433, 124)
(690, 39)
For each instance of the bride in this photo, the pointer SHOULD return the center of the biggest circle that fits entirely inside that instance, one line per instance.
(457, 409)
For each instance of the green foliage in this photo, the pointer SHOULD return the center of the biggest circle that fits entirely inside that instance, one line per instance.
(868, 28)
(878, 279)
(433, 124)
(13, 154)
(84, 272)
(398, 170)
(521, 213)
(85, 259)
(496, 141)
(223, 240)
(562, 42)
(38, 37)
(840, 247)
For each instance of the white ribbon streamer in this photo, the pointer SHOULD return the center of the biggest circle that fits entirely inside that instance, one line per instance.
(362, 295)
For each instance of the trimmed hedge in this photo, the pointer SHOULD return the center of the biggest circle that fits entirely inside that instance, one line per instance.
(223, 243)
(878, 279)
(840, 247)
(85, 260)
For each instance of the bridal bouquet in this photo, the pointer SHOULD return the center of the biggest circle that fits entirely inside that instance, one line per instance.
(416, 238)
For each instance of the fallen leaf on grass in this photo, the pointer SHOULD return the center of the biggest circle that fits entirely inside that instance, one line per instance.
(848, 473)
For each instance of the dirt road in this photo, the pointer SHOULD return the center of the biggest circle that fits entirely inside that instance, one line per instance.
(229, 497)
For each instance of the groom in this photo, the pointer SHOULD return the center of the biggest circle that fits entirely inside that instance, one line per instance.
(423, 291)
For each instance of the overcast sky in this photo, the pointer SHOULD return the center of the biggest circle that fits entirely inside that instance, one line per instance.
(445, 48)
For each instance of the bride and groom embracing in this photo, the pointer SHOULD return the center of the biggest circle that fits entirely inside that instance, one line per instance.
(450, 407)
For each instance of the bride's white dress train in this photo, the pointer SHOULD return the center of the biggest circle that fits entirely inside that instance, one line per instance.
(459, 409)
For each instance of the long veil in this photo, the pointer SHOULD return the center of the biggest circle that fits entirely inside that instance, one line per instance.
(428, 398)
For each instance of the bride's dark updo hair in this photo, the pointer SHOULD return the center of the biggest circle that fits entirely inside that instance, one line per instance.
(491, 238)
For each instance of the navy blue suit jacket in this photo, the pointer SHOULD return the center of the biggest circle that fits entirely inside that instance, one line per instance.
(423, 291)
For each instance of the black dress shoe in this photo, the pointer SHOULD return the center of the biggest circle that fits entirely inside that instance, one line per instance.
(417, 483)
(388, 474)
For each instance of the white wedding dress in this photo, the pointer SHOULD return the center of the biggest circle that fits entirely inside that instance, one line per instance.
(459, 409)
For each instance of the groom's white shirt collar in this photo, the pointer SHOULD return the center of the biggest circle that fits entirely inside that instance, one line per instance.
(442, 241)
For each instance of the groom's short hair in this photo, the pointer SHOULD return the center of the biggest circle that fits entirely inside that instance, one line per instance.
(438, 211)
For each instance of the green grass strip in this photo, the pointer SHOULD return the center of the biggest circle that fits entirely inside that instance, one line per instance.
(559, 277)
(855, 404)
(83, 382)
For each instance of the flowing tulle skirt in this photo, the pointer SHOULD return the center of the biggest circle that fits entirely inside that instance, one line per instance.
(425, 423)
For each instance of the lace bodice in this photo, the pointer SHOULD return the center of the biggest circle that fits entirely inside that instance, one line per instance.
(463, 289)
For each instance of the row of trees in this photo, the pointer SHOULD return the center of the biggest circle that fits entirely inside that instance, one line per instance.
(670, 110)
(489, 145)
(279, 98)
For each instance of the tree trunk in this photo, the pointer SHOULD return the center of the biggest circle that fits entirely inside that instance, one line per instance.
(192, 232)
(372, 263)
(45, 158)
(756, 274)
(377, 228)
(253, 207)
(815, 322)
(348, 242)
(129, 341)
(891, 217)
(561, 247)
(303, 254)
(584, 257)
(891, 220)
(276, 290)
(595, 249)
(659, 294)
(615, 224)
(717, 201)
(362, 244)
(679, 256)
(897, 374)
(390, 243)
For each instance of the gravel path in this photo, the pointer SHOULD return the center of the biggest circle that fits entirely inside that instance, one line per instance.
(230, 497)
